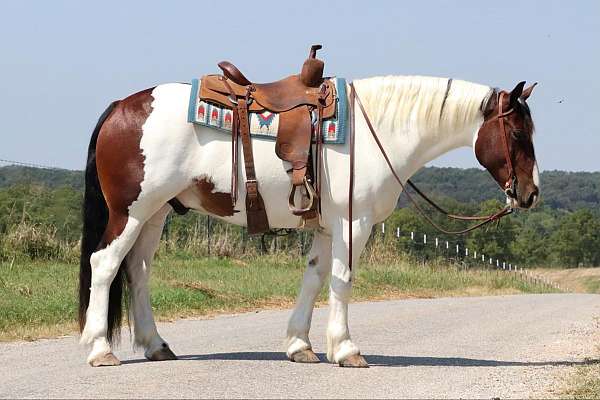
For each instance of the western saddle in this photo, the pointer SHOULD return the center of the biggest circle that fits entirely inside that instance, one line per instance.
(302, 102)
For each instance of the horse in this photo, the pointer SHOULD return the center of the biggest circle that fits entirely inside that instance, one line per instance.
(143, 152)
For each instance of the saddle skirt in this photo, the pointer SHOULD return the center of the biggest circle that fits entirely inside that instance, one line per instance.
(265, 124)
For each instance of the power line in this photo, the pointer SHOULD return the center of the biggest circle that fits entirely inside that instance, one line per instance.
(33, 165)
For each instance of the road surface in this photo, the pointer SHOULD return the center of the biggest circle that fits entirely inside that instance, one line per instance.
(484, 347)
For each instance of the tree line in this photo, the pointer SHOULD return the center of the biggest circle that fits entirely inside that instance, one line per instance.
(564, 231)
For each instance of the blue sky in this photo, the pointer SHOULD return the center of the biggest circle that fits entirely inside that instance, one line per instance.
(63, 62)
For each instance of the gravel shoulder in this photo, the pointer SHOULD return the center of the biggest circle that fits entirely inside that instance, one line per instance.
(478, 347)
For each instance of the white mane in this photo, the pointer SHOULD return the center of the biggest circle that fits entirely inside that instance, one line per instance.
(403, 103)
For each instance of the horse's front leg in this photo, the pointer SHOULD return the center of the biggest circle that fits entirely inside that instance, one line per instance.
(299, 348)
(340, 348)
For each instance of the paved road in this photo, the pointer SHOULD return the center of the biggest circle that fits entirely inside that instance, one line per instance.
(509, 346)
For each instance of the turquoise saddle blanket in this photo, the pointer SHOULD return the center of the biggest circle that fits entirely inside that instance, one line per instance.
(266, 124)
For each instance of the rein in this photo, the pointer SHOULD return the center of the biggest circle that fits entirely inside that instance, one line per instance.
(484, 220)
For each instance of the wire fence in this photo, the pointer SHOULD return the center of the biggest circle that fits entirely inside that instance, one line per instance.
(467, 257)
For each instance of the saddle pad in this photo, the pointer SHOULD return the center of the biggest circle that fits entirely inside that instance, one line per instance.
(266, 124)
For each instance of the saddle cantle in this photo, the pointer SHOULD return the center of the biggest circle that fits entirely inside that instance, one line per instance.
(302, 101)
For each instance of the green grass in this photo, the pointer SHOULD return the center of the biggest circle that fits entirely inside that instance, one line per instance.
(39, 299)
(592, 285)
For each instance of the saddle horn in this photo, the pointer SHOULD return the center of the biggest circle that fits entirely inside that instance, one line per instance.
(312, 70)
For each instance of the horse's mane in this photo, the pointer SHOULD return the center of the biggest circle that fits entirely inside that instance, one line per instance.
(431, 105)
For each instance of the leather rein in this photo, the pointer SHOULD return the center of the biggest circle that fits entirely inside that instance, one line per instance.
(509, 187)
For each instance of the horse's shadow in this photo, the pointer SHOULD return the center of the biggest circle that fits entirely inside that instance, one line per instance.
(378, 360)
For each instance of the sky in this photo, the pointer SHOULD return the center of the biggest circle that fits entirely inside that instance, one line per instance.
(63, 62)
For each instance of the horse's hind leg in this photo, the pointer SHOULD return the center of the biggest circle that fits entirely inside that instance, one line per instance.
(299, 348)
(120, 234)
(139, 261)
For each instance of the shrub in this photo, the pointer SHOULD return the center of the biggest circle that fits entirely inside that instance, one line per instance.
(36, 242)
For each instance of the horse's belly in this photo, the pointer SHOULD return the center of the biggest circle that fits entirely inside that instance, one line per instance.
(214, 165)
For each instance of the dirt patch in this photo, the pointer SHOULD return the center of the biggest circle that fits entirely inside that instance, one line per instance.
(574, 280)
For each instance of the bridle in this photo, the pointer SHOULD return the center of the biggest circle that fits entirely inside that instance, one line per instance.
(509, 186)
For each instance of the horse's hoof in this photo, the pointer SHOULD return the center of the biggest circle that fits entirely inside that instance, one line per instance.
(305, 356)
(105, 360)
(355, 361)
(162, 354)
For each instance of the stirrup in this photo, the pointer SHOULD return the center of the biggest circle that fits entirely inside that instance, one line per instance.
(311, 198)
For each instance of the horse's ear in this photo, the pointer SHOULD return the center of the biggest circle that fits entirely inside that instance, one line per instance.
(527, 91)
(516, 93)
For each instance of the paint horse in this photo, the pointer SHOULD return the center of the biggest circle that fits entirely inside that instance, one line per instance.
(143, 153)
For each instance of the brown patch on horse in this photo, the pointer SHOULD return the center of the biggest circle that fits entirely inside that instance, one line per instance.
(217, 203)
(489, 148)
(119, 159)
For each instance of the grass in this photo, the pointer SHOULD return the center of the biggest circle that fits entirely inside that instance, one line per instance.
(38, 298)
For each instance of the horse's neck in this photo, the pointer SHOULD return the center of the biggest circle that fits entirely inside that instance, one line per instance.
(409, 149)
(430, 146)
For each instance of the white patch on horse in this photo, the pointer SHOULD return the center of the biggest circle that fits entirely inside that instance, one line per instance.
(105, 264)
(536, 182)
(536, 176)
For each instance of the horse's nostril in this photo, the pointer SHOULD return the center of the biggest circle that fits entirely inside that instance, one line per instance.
(531, 198)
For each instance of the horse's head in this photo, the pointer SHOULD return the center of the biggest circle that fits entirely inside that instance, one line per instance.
(504, 145)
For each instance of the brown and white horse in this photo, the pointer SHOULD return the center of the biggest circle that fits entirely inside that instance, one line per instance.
(143, 153)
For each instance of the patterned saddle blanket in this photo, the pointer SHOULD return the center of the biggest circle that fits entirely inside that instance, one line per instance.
(265, 124)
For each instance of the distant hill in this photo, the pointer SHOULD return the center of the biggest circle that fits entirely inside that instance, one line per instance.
(560, 189)
(14, 175)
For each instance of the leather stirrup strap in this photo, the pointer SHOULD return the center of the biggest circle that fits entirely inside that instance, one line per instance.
(235, 134)
(255, 209)
(317, 178)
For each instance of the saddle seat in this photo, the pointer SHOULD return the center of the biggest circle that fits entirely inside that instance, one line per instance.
(310, 76)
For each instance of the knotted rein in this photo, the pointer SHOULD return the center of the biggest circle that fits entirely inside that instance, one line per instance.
(509, 186)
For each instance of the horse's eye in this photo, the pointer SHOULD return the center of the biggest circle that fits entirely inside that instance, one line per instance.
(518, 135)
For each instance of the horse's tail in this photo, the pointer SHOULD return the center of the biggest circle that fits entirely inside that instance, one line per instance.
(95, 219)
